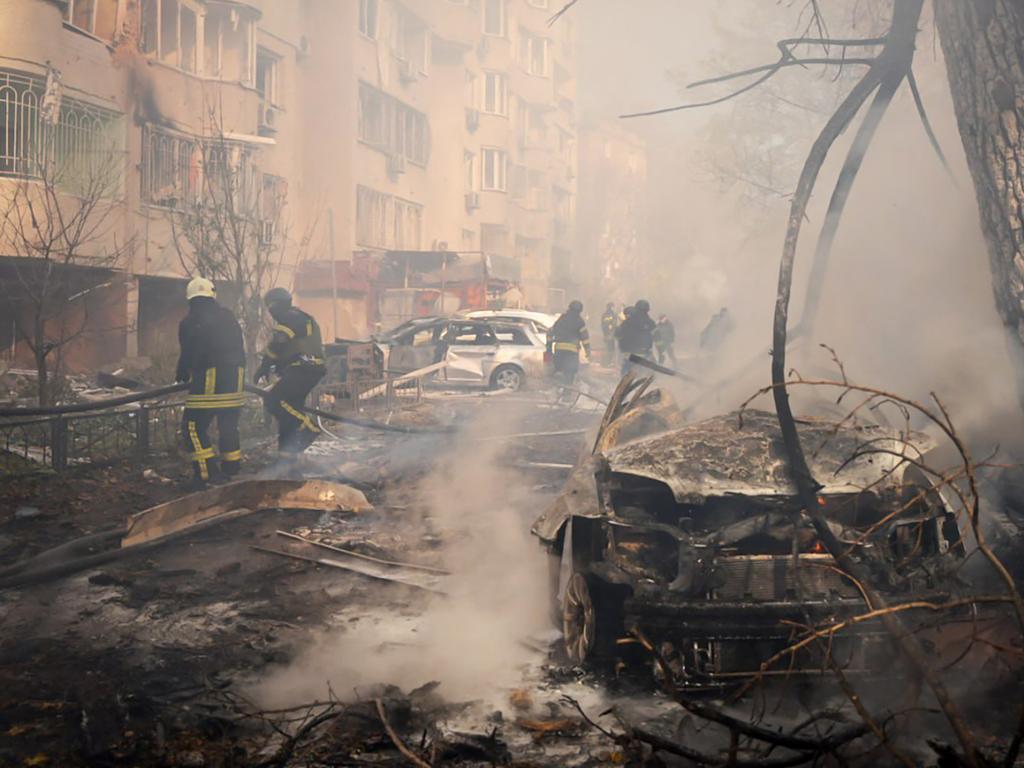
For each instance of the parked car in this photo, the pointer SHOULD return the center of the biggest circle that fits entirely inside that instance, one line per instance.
(684, 533)
(500, 355)
(542, 321)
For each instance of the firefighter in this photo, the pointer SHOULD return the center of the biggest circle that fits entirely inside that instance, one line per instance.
(296, 354)
(609, 322)
(665, 340)
(636, 333)
(565, 338)
(212, 361)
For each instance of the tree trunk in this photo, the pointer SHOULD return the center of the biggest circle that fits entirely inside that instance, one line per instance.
(983, 42)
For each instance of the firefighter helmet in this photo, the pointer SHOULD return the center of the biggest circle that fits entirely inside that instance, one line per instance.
(200, 286)
(643, 305)
(576, 306)
(278, 296)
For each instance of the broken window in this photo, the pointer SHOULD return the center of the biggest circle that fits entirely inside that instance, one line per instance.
(494, 18)
(533, 53)
(495, 100)
(179, 171)
(495, 163)
(385, 221)
(227, 45)
(169, 31)
(148, 39)
(411, 42)
(188, 38)
(97, 17)
(266, 78)
(391, 126)
(369, 13)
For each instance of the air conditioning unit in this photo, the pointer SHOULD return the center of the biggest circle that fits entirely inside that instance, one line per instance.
(269, 119)
(472, 119)
(407, 72)
(266, 232)
(472, 201)
(396, 164)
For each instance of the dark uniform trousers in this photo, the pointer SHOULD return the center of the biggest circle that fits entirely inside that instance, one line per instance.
(219, 397)
(567, 361)
(296, 430)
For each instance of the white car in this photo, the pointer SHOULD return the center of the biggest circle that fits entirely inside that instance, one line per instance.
(542, 321)
(500, 355)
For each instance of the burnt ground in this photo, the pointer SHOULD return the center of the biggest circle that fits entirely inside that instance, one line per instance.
(193, 654)
(142, 661)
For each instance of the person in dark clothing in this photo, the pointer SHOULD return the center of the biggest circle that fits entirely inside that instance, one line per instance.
(212, 361)
(296, 354)
(565, 338)
(609, 322)
(665, 340)
(636, 333)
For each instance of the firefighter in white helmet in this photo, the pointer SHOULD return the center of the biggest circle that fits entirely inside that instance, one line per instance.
(212, 361)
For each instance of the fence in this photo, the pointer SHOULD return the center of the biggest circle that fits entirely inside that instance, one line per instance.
(60, 442)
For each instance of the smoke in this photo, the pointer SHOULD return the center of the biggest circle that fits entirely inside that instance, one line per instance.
(907, 302)
(471, 638)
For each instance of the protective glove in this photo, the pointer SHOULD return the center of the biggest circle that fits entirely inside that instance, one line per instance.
(262, 372)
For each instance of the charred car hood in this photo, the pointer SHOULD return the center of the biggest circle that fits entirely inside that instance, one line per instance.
(726, 455)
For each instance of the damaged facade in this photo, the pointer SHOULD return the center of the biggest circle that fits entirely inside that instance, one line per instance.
(346, 129)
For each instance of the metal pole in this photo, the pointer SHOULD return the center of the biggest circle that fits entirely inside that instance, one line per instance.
(334, 274)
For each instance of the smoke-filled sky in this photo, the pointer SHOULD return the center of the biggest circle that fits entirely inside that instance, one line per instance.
(908, 301)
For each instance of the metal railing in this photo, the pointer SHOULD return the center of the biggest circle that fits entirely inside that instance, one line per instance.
(59, 442)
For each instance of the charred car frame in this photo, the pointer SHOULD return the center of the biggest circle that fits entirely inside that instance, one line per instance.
(690, 536)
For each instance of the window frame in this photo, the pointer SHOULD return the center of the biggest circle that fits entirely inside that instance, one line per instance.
(273, 97)
(500, 106)
(493, 162)
(502, 18)
(527, 43)
(68, 16)
(364, 17)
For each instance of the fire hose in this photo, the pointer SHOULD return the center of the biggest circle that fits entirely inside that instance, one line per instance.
(159, 392)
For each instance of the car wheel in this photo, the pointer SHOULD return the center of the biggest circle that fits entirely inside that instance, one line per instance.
(508, 377)
(579, 619)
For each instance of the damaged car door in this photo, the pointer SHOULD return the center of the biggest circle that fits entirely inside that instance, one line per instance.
(469, 347)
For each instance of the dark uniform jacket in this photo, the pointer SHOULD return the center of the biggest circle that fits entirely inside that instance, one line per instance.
(212, 358)
(636, 333)
(296, 340)
(609, 322)
(568, 333)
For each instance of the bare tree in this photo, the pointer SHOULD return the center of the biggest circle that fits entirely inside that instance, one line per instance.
(58, 223)
(232, 229)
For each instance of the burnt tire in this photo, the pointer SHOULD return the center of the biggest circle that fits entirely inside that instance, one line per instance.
(592, 618)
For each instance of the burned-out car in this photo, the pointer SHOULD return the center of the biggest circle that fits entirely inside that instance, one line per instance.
(690, 536)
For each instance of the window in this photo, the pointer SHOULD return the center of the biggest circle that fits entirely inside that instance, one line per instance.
(266, 77)
(411, 40)
(533, 129)
(391, 126)
(494, 162)
(511, 334)
(468, 162)
(495, 93)
(83, 140)
(170, 33)
(494, 18)
(188, 34)
(97, 17)
(533, 53)
(179, 171)
(369, 17)
(538, 3)
(385, 221)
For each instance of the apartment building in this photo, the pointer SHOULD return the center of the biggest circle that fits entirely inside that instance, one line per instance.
(337, 132)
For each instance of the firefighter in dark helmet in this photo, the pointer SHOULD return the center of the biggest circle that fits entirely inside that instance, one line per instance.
(565, 338)
(296, 354)
(212, 361)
